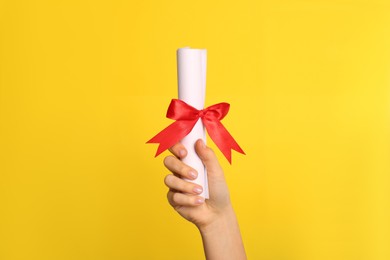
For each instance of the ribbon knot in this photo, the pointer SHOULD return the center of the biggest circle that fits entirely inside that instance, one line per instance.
(186, 117)
(201, 113)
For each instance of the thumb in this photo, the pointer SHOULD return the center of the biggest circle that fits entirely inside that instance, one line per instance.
(209, 159)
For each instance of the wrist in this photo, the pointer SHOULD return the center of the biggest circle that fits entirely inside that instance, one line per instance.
(222, 239)
(222, 221)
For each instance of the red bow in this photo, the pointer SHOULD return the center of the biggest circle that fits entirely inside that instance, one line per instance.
(186, 117)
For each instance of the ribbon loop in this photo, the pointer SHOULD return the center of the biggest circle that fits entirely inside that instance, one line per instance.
(186, 117)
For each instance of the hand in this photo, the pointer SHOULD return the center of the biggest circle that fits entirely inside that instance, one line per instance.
(214, 217)
(183, 195)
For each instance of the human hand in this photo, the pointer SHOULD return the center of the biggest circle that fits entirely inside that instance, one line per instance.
(183, 195)
(214, 217)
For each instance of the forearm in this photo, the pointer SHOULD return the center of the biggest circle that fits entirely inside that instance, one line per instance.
(222, 238)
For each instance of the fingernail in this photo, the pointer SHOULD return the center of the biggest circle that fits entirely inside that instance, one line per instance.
(199, 200)
(198, 190)
(192, 174)
(203, 145)
(182, 153)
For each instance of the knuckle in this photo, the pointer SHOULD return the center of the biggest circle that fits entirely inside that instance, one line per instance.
(169, 198)
(167, 179)
(176, 197)
(183, 169)
(210, 157)
(174, 148)
(173, 182)
(178, 184)
(189, 187)
(167, 160)
(210, 151)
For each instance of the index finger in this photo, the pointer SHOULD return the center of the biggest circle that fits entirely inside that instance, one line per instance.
(178, 150)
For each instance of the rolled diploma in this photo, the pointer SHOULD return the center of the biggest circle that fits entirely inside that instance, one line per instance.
(191, 71)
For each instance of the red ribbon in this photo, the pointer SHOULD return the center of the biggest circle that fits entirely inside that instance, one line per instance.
(186, 117)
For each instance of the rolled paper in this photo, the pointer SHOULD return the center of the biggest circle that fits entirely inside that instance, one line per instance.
(191, 71)
(192, 119)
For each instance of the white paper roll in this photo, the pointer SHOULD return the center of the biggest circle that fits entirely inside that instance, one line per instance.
(191, 71)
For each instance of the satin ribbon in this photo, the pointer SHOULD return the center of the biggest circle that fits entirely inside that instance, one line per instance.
(186, 117)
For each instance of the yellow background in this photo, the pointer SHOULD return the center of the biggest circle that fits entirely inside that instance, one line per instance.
(84, 84)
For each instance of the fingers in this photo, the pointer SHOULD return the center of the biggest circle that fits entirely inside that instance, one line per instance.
(178, 150)
(180, 185)
(180, 199)
(181, 192)
(178, 167)
(208, 157)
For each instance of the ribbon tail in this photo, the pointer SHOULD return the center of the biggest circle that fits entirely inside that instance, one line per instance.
(172, 134)
(222, 138)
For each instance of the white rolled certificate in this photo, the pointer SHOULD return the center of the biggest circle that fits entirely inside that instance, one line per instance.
(191, 71)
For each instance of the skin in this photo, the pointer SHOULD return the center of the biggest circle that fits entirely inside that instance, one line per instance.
(214, 217)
